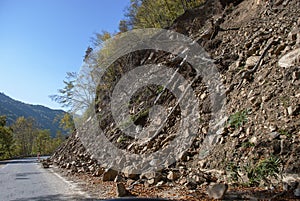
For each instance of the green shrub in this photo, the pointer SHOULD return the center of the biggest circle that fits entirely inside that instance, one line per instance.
(233, 171)
(284, 132)
(237, 119)
(263, 170)
(248, 144)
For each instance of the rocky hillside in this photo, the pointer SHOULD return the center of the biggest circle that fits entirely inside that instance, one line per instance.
(43, 116)
(256, 47)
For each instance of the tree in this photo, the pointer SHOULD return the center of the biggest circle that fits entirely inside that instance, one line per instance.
(43, 142)
(87, 53)
(24, 131)
(23, 138)
(2, 121)
(98, 38)
(79, 89)
(123, 26)
(6, 139)
(132, 12)
(157, 13)
(67, 122)
(65, 94)
(59, 139)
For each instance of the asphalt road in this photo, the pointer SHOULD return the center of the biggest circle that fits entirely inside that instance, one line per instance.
(25, 179)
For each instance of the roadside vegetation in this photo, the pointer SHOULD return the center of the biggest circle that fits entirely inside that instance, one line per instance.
(23, 138)
(139, 14)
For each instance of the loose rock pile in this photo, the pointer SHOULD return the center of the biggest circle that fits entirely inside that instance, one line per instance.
(262, 82)
(256, 48)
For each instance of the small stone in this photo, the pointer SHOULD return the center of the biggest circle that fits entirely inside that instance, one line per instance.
(252, 99)
(109, 175)
(236, 133)
(248, 44)
(201, 163)
(172, 176)
(98, 172)
(121, 190)
(204, 130)
(296, 76)
(45, 164)
(273, 135)
(182, 169)
(129, 173)
(253, 140)
(130, 182)
(236, 64)
(289, 59)
(293, 34)
(272, 128)
(148, 175)
(190, 185)
(91, 168)
(81, 170)
(279, 49)
(68, 166)
(203, 96)
(118, 178)
(297, 192)
(285, 2)
(153, 177)
(222, 140)
(248, 131)
(251, 61)
(151, 181)
(160, 183)
(290, 185)
(267, 97)
(184, 156)
(183, 181)
(290, 110)
(217, 191)
(278, 2)
(199, 179)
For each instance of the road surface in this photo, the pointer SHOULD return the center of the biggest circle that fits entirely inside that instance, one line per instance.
(25, 179)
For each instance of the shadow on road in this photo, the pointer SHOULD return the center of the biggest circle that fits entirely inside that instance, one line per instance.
(22, 178)
(25, 174)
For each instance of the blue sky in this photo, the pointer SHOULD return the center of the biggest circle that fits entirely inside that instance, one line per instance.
(41, 40)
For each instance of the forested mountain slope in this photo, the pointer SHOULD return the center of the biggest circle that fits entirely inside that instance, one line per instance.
(43, 116)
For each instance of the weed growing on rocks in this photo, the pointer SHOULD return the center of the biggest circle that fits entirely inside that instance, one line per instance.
(237, 119)
(263, 171)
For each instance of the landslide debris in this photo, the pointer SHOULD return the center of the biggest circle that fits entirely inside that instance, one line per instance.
(256, 48)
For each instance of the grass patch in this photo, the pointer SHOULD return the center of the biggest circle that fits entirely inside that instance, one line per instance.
(248, 144)
(284, 132)
(159, 89)
(263, 170)
(237, 119)
(141, 114)
(233, 170)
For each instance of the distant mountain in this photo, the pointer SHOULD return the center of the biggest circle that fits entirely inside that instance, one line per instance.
(43, 116)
